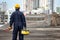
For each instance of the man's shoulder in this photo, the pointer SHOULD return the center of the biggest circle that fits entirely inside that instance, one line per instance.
(17, 11)
(14, 13)
(21, 12)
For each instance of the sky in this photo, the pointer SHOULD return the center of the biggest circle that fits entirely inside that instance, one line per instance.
(56, 3)
(11, 3)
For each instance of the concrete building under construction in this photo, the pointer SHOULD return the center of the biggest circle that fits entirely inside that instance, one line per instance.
(3, 9)
(3, 6)
(36, 4)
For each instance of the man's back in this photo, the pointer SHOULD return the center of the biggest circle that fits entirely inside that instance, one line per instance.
(18, 18)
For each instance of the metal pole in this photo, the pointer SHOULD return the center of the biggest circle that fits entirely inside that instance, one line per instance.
(52, 6)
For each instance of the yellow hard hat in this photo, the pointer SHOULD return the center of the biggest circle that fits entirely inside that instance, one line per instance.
(17, 6)
(25, 32)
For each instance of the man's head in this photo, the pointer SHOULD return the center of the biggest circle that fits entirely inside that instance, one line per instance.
(17, 6)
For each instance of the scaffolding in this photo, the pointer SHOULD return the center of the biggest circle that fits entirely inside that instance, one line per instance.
(3, 18)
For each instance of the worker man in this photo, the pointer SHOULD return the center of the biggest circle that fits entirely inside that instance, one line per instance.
(18, 21)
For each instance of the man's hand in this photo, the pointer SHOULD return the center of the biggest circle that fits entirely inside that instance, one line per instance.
(8, 29)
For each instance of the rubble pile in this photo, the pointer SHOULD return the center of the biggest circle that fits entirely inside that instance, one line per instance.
(55, 19)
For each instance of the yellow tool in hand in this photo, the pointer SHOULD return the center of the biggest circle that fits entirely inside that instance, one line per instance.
(25, 32)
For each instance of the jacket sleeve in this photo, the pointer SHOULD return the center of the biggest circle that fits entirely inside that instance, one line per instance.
(23, 20)
(11, 19)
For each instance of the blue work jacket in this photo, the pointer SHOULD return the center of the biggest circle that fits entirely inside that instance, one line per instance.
(17, 19)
